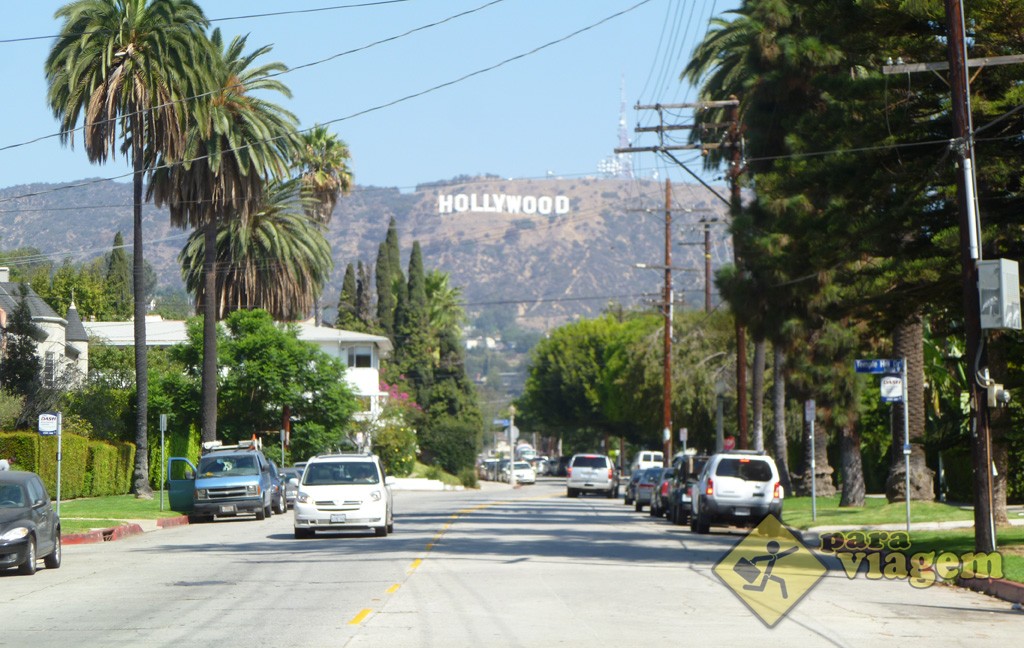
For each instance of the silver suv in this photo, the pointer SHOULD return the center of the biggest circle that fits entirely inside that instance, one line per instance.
(737, 488)
(591, 473)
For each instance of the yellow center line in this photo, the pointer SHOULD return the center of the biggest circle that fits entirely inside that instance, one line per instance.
(415, 564)
(394, 588)
(359, 618)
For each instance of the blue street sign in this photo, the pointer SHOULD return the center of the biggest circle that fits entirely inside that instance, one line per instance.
(501, 422)
(878, 366)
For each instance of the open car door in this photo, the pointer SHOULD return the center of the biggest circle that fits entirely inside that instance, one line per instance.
(181, 483)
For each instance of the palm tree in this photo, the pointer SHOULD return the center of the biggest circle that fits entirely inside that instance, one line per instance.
(445, 313)
(235, 143)
(277, 260)
(121, 66)
(322, 159)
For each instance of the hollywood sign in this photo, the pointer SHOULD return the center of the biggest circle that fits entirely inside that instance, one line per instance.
(502, 204)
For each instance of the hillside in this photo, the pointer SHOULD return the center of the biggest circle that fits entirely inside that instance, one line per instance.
(552, 249)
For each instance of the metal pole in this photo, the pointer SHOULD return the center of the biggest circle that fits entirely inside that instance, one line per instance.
(707, 267)
(282, 446)
(60, 427)
(906, 441)
(667, 417)
(163, 460)
(719, 425)
(814, 477)
(512, 446)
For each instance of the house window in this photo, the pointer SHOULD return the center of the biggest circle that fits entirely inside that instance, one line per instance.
(360, 356)
(49, 368)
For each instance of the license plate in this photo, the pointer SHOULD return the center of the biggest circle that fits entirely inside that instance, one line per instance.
(227, 508)
(337, 518)
(742, 511)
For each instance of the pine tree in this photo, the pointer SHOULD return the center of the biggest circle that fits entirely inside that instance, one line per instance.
(364, 298)
(20, 370)
(119, 281)
(385, 293)
(414, 347)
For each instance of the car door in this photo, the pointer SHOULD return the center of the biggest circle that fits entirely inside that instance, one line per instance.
(43, 517)
(181, 483)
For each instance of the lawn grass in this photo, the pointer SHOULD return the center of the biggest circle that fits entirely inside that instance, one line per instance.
(79, 515)
(876, 510)
(434, 472)
(1009, 542)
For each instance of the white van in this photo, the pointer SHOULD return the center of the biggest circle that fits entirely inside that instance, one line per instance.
(647, 459)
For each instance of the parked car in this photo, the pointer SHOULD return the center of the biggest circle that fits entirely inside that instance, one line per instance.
(488, 468)
(291, 478)
(344, 491)
(29, 526)
(229, 481)
(647, 459)
(645, 487)
(688, 468)
(524, 473)
(561, 467)
(591, 473)
(631, 486)
(737, 488)
(660, 494)
(278, 500)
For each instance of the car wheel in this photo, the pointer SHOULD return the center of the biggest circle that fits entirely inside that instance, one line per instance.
(639, 507)
(261, 513)
(653, 511)
(304, 533)
(381, 531)
(611, 493)
(280, 506)
(28, 567)
(53, 560)
(391, 528)
(628, 500)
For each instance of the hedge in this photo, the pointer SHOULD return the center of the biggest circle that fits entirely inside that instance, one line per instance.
(88, 467)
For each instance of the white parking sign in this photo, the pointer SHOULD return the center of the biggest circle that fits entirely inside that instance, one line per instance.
(892, 389)
(48, 424)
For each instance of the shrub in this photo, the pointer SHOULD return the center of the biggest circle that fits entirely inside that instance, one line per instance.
(468, 478)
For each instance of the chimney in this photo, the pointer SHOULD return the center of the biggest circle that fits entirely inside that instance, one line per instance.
(5, 275)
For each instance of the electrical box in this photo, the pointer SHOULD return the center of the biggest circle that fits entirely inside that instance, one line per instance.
(999, 292)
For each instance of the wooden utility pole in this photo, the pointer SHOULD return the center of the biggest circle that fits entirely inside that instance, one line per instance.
(667, 430)
(984, 532)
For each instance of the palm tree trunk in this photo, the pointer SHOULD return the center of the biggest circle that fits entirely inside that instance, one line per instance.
(908, 343)
(757, 387)
(851, 465)
(209, 387)
(780, 442)
(140, 476)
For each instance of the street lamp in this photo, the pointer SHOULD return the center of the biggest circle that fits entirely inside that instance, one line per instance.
(512, 446)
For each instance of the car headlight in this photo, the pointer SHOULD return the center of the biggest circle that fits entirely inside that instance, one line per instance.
(15, 534)
(200, 493)
(303, 497)
(252, 489)
(375, 496)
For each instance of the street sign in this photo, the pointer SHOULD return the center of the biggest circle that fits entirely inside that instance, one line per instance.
(48, 424)
(502, 422)
(878, 366)
(809, 410)
(729, 443)
(892, 389)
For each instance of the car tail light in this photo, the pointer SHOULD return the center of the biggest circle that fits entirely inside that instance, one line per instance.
(777, 491)
(664, 488)
(689, 490)
(710, 490)
(611, 473)
(568, 471)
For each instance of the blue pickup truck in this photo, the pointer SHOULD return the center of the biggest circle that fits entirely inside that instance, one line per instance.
(229, 481)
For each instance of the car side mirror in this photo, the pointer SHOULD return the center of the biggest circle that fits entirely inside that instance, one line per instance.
(293, 481)
(390, 480)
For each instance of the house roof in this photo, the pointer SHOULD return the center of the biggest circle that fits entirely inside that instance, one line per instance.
(10, 295)
(161, 332)
(74, 331)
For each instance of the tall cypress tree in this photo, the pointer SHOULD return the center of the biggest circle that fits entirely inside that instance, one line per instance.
(364, 297)
(414, 348)
(393, 250)
(347, 318)
(119, 281)
(385, 293)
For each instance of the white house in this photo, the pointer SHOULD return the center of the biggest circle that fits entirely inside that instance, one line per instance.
(360, 352)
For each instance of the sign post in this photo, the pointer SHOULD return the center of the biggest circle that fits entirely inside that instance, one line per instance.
(894, 390)
(809, 417)
(50, 425)
(163, 460)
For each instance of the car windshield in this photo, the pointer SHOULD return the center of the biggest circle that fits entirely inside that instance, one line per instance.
(230, 466)
(745, 469)
(522, 465)
(338, 472)
(588, 462)
(11, 496)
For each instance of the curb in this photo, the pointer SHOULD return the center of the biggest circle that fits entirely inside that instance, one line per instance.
(116, 533)
(997, 587)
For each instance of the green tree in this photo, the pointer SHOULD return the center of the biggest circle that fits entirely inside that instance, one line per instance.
(119, 281)
(386, 300)
(364, 298)
(235, 142)
(20, 371)
(322, 159)
(277, 259)
(347, 307)
(121, 67)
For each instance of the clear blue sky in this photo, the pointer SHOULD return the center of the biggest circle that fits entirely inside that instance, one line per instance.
(555, 110)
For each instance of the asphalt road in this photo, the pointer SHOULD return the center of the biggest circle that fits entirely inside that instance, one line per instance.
(495, 567)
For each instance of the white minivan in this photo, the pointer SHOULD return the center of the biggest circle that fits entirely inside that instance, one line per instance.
(647, 459)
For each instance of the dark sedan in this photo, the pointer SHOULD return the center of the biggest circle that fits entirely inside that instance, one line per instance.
(29, 526)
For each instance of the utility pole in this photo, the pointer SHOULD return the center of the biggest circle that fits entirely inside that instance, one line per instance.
(970, 254)
(667, 431)
(984, 531)
(707, 266)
